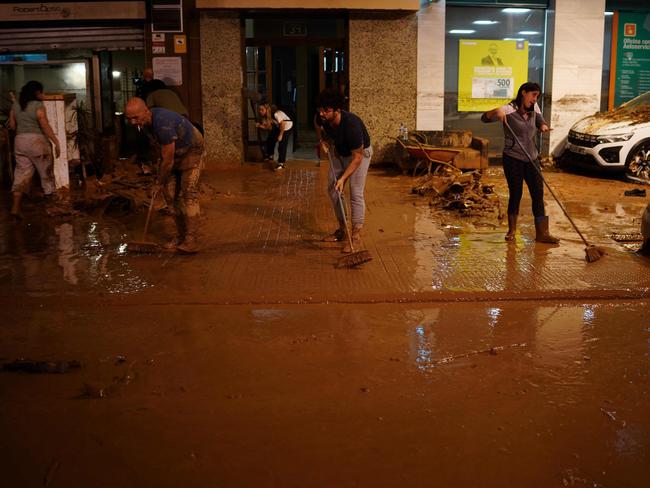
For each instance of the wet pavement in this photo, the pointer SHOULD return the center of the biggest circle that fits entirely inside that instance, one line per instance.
(261, 239)
(451, 359)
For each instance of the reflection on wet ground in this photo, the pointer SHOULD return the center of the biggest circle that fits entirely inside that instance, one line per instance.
(473, 394)
(261, 238)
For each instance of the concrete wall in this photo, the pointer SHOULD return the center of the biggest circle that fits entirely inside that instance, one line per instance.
(431, 67)
(383, 76)
(221, 79)
(576, 64)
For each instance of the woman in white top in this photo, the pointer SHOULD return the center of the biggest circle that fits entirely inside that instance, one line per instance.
(279, 126)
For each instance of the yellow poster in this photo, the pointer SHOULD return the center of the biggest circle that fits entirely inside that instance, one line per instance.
(490, 72)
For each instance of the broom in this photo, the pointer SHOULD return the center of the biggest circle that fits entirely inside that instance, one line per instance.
(145, 246)
(354, 258)
(592, 253)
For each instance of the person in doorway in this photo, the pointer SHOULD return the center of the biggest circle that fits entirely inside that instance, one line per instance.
(279, 126)
(182, 148)
(523, 116)
(162, 97)
(32, 144)
(147, 84)
(345, 140)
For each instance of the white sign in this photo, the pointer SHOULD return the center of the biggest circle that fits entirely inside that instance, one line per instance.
(169, 70)
(72, 10)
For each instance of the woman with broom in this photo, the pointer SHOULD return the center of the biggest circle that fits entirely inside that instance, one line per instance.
(521, 120)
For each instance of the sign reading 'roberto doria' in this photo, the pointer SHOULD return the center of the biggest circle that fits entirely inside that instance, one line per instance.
(72, 11)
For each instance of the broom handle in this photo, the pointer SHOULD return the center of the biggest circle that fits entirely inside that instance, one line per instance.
(539, 171)
(146, 222)
(338, 194)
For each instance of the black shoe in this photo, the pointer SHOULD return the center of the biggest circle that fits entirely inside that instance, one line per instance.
(637, 192)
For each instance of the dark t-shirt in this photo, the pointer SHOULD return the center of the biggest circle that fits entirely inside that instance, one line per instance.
(350, 134)
(168, 126)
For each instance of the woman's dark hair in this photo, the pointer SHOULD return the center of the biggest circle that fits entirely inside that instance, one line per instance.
(28, 93)
(529, 86)
(330, 98)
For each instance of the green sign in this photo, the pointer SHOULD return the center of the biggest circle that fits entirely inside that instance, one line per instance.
(632, 56)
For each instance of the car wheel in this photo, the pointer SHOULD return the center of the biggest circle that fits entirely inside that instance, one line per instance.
(637, 167)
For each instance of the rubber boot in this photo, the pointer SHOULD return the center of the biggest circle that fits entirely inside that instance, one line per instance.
(541, 231)
(15, 206)
(181, 231)
(190, 244)
(512, 227)
(356, 240)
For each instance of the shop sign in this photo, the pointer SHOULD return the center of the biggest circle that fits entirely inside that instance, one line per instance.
(294, 29)
(180, 44)
(72, 11)
(158, 43)
(490, 72)
(630, 57)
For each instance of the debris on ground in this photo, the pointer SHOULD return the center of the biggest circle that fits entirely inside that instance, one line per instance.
(492, 351)
(463, 192)
(636, 192)
(633, 237)
(43, 367)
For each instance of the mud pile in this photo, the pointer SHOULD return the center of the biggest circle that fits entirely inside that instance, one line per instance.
(463, 193)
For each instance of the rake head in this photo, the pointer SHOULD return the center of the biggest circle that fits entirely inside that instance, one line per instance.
(354, 259)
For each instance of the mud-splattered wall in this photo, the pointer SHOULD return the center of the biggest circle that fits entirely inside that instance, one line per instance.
(221, 77)
(383, 76)
(578, 28)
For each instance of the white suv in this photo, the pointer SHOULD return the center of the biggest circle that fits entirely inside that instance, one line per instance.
(616, 140)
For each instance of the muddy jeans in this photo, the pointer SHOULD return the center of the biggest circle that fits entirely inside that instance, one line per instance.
(33, 152)
(187, 171)
(357, 185)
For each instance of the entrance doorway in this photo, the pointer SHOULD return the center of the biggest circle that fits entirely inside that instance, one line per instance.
(289, 71)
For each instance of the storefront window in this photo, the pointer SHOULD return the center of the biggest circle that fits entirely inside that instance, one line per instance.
(524, 28)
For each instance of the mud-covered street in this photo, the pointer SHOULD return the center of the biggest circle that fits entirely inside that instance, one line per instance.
(453, 358)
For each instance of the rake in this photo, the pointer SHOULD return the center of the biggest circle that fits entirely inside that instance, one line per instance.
(144, 246)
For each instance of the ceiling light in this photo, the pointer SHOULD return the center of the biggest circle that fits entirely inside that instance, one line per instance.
(462, 31)
(536, 44)
(485, 22)
(515, 10)
(514, 39)
(528, 33)
(609, 13)
(117, 74)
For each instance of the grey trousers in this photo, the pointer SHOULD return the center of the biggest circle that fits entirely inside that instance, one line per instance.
(357, 183)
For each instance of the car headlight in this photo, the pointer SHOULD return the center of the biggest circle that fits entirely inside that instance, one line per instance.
(615, 138)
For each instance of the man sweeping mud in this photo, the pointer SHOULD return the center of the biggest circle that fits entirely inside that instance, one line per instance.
(347, 145)
(182, 148)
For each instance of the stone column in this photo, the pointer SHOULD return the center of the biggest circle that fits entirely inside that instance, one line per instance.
(576, 32)
(221, 80)
(383, 76)
(431, 67)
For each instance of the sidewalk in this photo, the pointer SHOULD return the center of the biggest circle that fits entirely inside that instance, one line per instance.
(261, 239)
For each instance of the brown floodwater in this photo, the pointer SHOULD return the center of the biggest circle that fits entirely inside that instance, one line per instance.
(451, 359)
(482, 394)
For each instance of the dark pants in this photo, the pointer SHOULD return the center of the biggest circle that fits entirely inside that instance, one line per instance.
(282, 146)
(517, 172)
